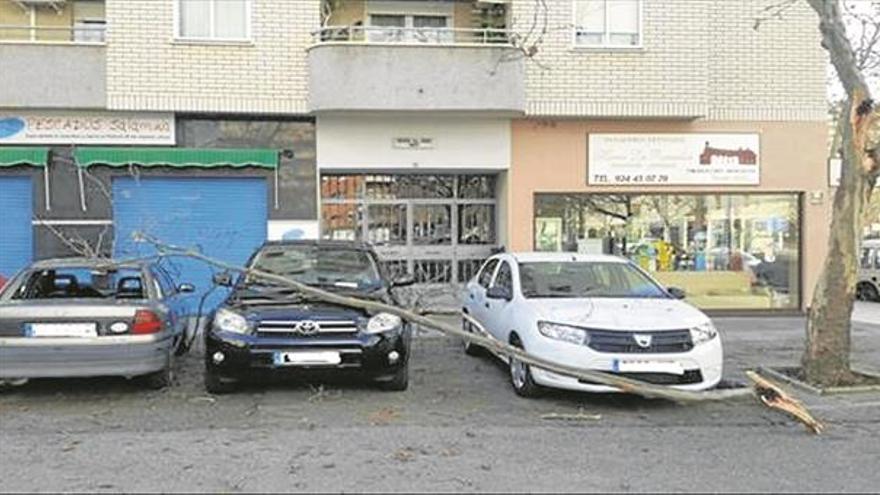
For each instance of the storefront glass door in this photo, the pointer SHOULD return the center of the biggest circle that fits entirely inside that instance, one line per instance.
(437, 227)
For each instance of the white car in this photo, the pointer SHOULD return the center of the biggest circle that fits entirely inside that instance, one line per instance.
(595, 312)
(868, 288)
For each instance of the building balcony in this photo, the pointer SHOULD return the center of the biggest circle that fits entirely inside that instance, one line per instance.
(357, 68)
(52, 54)
(52, 75)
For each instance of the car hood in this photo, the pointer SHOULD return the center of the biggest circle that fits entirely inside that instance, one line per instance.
(620, 313)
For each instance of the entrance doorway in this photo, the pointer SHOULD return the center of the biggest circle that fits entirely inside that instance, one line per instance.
(438, 227)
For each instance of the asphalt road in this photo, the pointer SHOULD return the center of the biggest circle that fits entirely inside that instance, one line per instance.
(458, 428)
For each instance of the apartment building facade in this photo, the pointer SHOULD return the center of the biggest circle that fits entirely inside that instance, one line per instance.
(670, 132)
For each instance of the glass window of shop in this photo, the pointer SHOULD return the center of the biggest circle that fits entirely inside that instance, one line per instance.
(727, 251)
(438, 227)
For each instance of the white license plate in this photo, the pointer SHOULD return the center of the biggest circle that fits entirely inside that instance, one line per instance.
(645, 366)
(305, 358)
(61, 330)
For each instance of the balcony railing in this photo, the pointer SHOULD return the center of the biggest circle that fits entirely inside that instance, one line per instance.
(92, 33)
(412, 35)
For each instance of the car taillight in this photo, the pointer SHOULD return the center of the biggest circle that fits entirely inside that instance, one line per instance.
(146, 322)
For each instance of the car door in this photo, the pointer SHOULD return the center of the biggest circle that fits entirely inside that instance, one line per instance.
(498, 311)
(169, 299)
(475, 298)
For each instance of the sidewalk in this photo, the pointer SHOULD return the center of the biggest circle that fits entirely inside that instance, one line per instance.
(867, 312)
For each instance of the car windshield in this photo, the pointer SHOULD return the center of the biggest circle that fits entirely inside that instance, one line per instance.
(586, 279)
(321, 266)
(82, 283)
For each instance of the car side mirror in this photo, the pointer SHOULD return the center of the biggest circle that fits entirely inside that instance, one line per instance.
(223, 279)
(497, 292)
(403, 281)
(186, 288)
(676, 292)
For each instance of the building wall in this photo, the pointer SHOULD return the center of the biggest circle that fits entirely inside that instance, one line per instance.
(700, 58)
(551, 156)
(149, 70)
(362, 142)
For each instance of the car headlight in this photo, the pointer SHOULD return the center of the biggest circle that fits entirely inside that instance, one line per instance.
(230, 321)
(703, 333)
(565, 333)
(383, 322)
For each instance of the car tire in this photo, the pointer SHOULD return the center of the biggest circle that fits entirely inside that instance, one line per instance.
(216, 384)
(521, 375)
(469, 348)
(867, 292)
(399, 382)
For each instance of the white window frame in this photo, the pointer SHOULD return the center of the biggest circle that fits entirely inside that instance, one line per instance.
(409, 26)
(248, 38)
(417, 9)
(606, 45)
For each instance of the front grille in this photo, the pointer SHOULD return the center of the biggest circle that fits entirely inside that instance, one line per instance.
(626, 342)
(306, 328)
(689, 377)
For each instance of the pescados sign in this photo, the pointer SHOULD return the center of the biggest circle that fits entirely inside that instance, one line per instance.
(87, 128)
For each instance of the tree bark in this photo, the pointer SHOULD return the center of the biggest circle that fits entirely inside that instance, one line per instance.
(826, 358)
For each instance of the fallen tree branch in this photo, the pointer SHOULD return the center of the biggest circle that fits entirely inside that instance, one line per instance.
(627, 385)
(771, 395)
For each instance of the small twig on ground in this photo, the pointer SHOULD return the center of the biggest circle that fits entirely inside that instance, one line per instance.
(579, 416)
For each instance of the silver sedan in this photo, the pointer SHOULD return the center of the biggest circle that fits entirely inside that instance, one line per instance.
(87, 317)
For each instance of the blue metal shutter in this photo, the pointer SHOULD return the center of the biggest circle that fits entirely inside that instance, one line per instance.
(223, 217)
(16, 231)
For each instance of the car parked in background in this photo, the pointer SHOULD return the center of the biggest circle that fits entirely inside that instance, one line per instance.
(594, 312)
(268, 328)
(868, 288)
(91, 317)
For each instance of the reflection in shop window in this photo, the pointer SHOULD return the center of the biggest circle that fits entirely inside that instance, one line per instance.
(734, 251)
(387, 224)
(432, 224)
(409, 186)
(476, 224)
(341, 186)
(341, 222)
(433, 271)
(476, 186)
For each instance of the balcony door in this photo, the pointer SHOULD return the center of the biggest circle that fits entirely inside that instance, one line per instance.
(409, 28)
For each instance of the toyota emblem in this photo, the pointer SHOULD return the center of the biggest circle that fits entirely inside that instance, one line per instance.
(307, 327)
(643, 340)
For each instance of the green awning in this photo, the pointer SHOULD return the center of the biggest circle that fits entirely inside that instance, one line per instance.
(20, 155)
(176, 157)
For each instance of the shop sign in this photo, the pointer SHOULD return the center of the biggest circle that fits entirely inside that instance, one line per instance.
(87, 128)
(674, 159)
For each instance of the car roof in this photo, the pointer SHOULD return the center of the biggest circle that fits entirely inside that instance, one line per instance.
(527, 257)
(871, 243)
(85, 262)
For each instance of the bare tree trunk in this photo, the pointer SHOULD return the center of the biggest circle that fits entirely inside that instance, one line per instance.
(826, 358)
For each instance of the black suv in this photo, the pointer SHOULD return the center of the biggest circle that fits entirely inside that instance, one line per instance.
(264, 327)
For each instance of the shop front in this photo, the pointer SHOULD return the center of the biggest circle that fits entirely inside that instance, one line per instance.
(734, 214)
(423, 190)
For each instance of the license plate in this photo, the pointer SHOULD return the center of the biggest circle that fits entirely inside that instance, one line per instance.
(61, 330)
(304, 358)
(644, 366)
